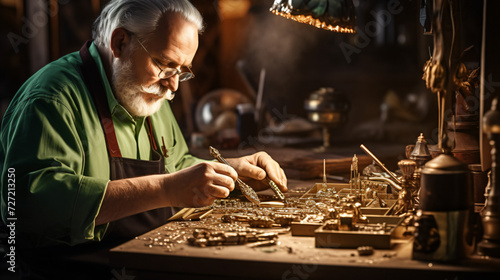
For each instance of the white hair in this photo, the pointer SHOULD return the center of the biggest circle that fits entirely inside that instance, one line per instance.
(140, 17)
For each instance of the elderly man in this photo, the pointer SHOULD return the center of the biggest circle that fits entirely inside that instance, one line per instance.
(95, 151)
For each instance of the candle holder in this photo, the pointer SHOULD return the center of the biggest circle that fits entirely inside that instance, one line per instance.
(490, 215)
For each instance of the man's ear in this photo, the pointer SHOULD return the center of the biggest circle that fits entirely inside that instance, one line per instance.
(119, 39)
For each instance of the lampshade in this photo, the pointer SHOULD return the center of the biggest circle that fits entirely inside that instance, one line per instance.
(333, 15)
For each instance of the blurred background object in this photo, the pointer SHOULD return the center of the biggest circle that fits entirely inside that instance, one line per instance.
(329, 109)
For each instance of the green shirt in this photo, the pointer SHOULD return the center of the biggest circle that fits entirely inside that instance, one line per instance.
(53, 141)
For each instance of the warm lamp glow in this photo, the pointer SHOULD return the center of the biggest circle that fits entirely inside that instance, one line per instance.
(337, 15)
(233, 8)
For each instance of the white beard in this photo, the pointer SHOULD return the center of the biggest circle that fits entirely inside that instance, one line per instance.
(133, 96)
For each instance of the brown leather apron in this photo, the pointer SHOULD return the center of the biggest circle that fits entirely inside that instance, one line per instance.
(120, 167)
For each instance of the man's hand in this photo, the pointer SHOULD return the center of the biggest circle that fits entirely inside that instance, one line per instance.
(200, 185)
(254, 168)
(195, 186)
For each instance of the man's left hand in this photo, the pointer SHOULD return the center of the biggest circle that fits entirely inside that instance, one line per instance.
(253, 169)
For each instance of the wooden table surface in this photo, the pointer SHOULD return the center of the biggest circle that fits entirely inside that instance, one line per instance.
(294, 258)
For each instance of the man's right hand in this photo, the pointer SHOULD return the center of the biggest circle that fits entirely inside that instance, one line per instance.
(195, 186)
(199, 185)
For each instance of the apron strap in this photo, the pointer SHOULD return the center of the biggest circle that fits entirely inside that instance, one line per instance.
(96, 88)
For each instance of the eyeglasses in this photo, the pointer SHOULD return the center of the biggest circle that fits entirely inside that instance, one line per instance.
(168, 72)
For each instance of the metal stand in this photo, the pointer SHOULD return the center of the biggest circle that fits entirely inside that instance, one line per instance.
(490, 245)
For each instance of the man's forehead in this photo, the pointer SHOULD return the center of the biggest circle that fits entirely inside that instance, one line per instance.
(172, 26)
(174, 36)
(169, 22)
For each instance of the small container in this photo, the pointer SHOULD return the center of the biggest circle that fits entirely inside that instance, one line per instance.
(480, 180)
(442, 224)
(245, 123)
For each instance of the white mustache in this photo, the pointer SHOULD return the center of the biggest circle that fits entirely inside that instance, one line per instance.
(158, 90)
(154, 89)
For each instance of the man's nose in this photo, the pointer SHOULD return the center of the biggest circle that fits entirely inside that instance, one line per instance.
(171, 83)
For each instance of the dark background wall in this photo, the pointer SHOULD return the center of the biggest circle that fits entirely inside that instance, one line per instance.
(379, 69)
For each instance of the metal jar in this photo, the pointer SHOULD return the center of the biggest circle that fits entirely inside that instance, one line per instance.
(443, 218)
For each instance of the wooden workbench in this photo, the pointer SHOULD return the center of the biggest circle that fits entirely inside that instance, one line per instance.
(294, 258)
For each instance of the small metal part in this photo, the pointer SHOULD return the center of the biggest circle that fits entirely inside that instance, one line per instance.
(365, 250)
(263, 243)
(188, 212)
(332, 224)
(261, 222)
(191, 213)
(346, 221)
(285, 220)
(420, 153)
(247, 191)
(405, 202)
(179, 214)
(396, 179)
(324, 173)
(274, 187)
(354, 183)
(272, 204)
(219, 237)
(198, 215)
(338, 178)
(381, 202)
